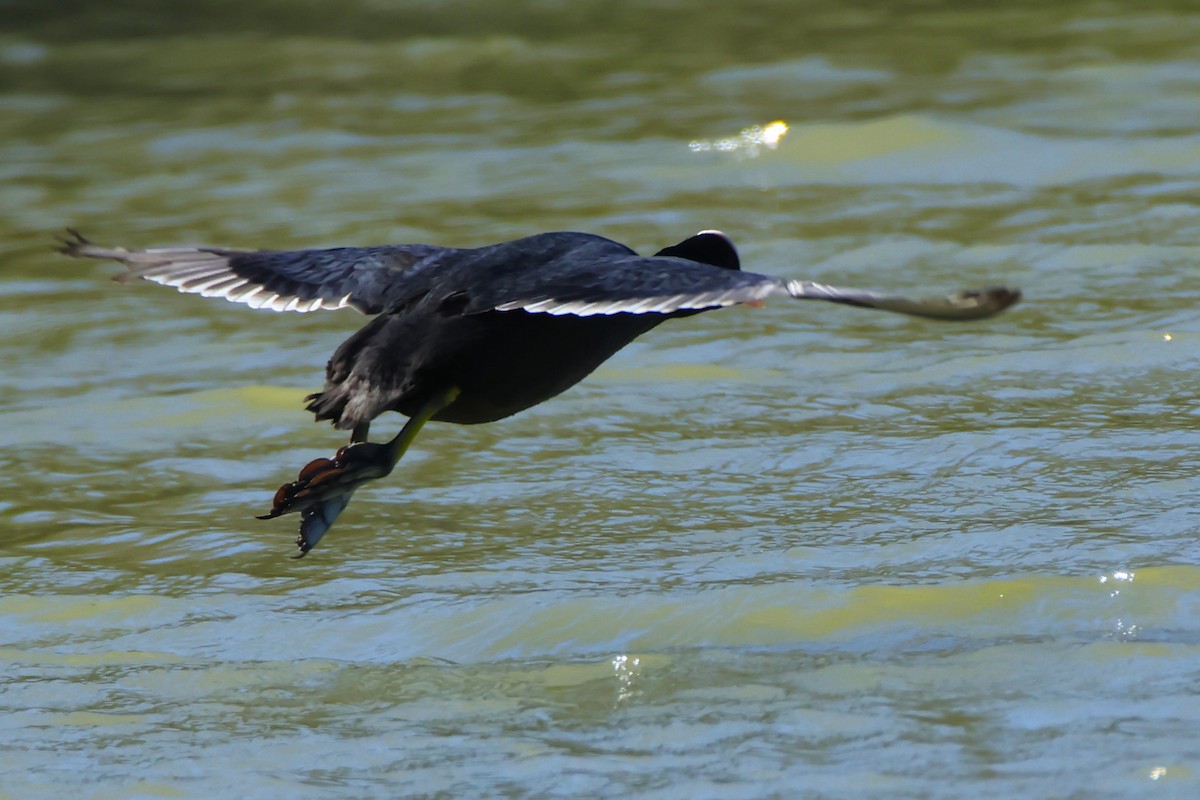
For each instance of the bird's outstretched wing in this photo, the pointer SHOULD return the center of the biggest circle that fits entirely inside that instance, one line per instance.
(665, 285)
(562, 273)
(366, 278)
(597, 277)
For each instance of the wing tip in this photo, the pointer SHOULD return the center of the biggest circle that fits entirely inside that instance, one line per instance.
(158, 267)
(76, 245)
(72, 244)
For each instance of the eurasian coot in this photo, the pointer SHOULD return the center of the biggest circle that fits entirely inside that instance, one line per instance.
(472, 335)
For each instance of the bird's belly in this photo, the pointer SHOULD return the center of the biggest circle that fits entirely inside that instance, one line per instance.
(504, 362)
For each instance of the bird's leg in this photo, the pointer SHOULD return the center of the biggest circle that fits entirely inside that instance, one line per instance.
(324, 486)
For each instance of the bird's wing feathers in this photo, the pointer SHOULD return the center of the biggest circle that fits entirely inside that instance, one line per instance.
(365, 278)
(633, 285)
(558, 273)
(662, 285)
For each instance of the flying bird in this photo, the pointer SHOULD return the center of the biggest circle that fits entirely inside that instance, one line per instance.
(473, 335)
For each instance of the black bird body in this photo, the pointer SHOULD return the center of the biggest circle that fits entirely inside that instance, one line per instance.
(502, 362)
(446, 329)
(475, 335)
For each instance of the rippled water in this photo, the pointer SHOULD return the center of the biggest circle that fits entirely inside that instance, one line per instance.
(798, 551)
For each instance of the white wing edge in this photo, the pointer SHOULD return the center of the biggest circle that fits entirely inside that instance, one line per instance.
(216, 280)
(661, 304)
(195, 270)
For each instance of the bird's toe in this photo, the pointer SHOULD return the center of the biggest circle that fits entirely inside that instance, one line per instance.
(325, 478)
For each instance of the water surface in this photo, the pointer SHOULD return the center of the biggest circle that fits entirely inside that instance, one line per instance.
(795, 551)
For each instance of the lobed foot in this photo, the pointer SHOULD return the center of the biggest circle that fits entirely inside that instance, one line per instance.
(324, 487)
(317, 519)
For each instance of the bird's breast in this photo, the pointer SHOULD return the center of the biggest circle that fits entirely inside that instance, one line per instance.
(504, 362)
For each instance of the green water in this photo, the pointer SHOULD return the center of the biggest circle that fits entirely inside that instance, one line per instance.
(799, 551)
